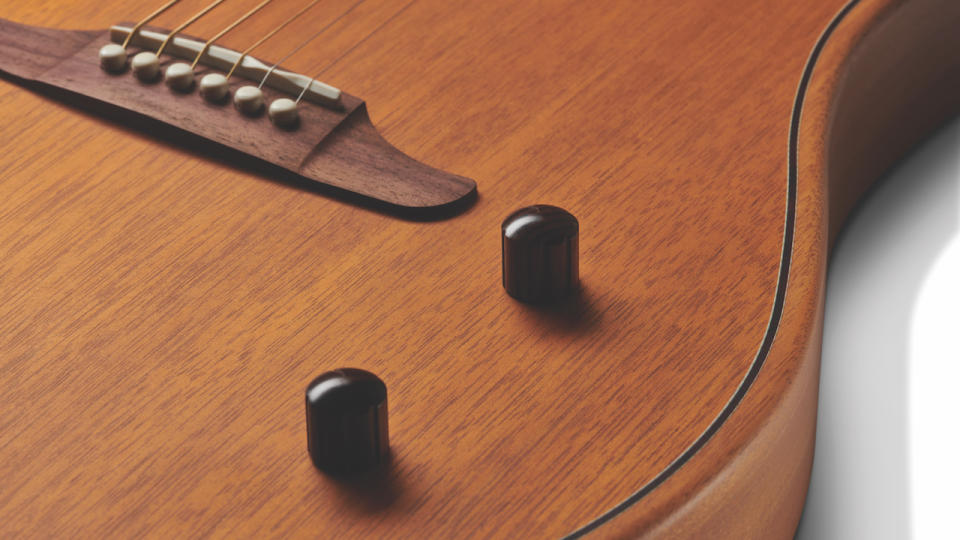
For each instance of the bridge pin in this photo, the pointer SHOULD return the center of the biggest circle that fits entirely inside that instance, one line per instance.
(113, 58)
(145, 66)
(249, 99)
(214, 87)
(283, 113)
(179, 77)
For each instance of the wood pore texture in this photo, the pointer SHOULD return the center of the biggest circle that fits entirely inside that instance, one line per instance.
(162, 310)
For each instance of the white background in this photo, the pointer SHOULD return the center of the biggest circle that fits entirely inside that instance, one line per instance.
(888, 433)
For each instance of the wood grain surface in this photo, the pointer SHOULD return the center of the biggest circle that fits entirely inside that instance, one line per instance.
(162, 308)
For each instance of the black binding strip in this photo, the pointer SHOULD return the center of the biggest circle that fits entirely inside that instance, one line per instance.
(775, 314)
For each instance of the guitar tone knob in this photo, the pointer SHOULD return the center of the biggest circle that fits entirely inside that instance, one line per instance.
(539, 250)
(347, 429)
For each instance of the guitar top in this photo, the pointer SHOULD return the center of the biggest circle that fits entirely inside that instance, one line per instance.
(175, 269)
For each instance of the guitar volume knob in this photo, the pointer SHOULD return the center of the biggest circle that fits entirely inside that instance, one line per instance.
(540, 253)
(347, 428)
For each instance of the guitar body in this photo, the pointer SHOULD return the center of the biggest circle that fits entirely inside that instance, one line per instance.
(163, 306)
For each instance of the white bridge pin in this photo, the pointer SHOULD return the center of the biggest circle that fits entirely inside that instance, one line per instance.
(283, 113)
(113, 58)
(213, 87)
(249, 99)
(179, 77)
(145, 66)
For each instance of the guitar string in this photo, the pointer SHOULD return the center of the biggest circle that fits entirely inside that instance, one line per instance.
(187, 23)
(305, 43)
(304, 91)
(351, 49)
(136, 28)
(234, 24)
(269, 35)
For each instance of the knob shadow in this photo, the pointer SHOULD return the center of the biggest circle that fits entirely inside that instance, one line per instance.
(576, 313)
(370, 492)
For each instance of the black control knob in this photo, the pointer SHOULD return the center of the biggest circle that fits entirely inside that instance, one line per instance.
(347, 421)
(540, 260)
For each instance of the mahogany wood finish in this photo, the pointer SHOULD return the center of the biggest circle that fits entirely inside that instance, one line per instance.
(161, 310)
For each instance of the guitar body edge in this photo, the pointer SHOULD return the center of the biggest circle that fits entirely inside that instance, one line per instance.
(878, 86)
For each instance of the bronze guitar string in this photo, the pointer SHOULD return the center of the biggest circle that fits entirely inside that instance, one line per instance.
(231, 26)
(187, 23)
(214, 87)
(136, 28)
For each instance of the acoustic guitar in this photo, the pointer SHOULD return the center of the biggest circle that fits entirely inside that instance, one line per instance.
(204, 210)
